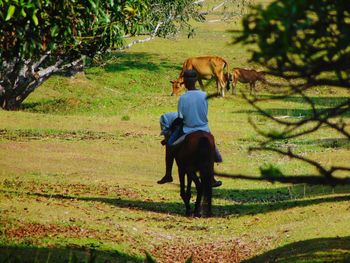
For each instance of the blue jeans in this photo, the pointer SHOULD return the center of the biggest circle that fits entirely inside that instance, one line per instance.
(177, 133)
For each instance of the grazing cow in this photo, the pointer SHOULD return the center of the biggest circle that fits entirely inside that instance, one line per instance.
(250, 76)
(206, 68)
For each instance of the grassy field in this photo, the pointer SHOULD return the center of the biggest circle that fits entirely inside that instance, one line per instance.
(79, 165)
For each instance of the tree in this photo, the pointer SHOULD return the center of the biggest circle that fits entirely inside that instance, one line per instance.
(41, 37)
(305, 43)
(167, 18)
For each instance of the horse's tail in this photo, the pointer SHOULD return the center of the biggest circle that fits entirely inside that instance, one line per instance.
(206, 171)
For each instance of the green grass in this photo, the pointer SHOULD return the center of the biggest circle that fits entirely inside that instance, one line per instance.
(79, 165)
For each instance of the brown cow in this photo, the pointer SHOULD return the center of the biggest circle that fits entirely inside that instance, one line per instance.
(206, 68)
(250, 76)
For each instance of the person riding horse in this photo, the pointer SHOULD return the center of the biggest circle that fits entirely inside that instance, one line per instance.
(192, 116)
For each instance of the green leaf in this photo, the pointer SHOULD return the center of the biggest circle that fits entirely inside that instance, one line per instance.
(129, 9)
(54, 31)
(93, 4)
(23, 13)
(10, 12)
(35, 19)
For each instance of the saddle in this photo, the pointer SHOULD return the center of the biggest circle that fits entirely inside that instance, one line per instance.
(179, 140)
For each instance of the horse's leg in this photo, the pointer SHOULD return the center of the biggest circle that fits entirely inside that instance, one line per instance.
(197, 206)
(182, 190)
(207, 174)
(188, 193)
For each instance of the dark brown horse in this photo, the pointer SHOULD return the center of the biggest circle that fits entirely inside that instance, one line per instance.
(196, 153)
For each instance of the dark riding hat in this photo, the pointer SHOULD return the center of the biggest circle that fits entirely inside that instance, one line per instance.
(190, 75)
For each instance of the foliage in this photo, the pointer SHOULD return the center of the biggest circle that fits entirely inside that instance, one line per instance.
(43, 37)
(33, 27)
(306, 43)
(302, 39)
(172, 16)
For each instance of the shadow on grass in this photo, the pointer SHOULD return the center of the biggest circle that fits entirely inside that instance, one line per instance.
(334, 143)
(250, 205)
(291, 113)
(159, 207)
(321, 103)
(58, 105)
(280, 194)
(329, 101)
(326, 143)
(12, 254)
(298, 113)
(259, 208)
(313, 250)
(141, 61)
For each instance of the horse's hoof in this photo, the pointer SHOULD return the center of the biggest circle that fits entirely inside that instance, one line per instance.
(216, 183)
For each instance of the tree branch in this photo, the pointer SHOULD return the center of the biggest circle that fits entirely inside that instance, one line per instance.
(219, 5)
(152, 36)
(41, 60)
(44, 74)
(321, 117)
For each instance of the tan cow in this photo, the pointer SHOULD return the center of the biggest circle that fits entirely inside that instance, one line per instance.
(206, 67)
(250, 76)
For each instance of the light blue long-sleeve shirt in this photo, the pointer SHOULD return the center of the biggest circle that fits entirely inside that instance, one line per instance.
(193, 109)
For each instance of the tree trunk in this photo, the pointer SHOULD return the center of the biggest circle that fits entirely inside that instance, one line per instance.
(10, 103)
(19, 78)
